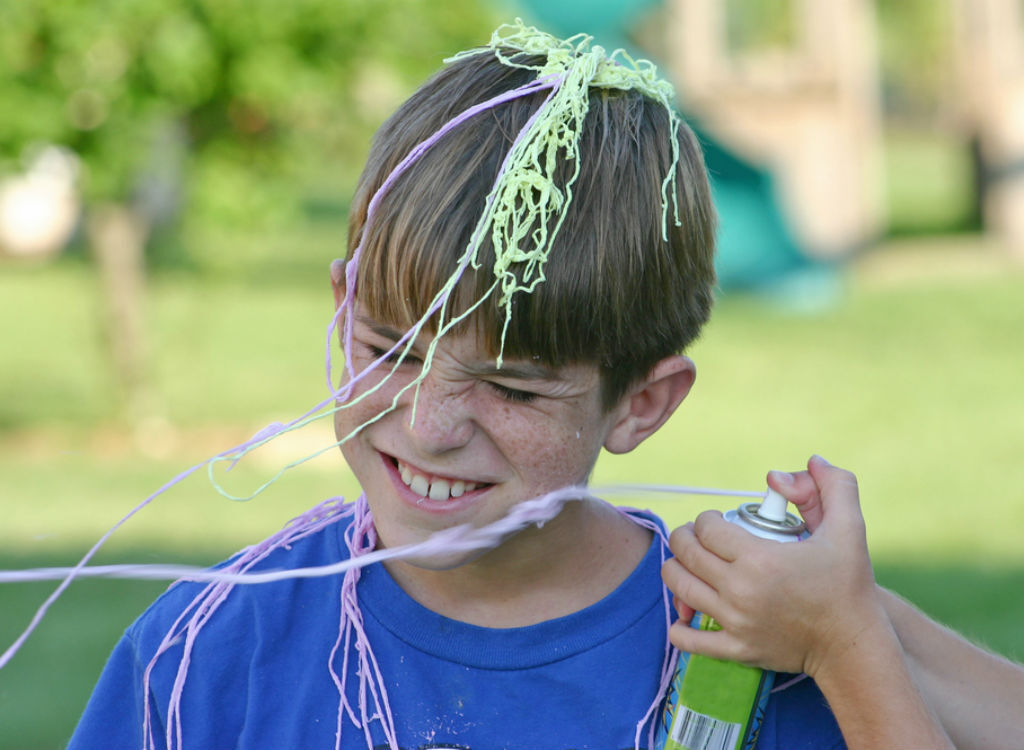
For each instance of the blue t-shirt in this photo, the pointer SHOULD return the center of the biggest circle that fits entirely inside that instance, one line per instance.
(259, 676)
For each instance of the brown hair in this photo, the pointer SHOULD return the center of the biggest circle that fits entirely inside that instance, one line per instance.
(616, 294)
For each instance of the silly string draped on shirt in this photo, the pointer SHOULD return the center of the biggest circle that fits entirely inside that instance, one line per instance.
(522, 216)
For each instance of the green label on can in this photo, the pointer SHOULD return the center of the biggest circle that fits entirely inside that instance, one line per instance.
(717, 702)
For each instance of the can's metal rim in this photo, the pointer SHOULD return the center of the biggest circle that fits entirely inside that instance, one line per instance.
(790, 525)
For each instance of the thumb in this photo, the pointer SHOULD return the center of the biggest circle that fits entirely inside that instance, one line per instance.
(840, 495)
(801, 490)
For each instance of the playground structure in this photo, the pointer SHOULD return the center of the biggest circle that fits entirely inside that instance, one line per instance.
(990, 94)
(812, 115)
(809, 114)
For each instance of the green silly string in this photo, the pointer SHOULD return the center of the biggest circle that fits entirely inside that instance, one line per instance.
(525, 198)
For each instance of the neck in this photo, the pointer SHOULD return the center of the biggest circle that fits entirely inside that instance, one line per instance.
(570, 563)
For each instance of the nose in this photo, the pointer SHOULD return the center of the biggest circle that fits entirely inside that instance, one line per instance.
(439, 419)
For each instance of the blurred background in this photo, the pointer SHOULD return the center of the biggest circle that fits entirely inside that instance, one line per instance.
(174, 181)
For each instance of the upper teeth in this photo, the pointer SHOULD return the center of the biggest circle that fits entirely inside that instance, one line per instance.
(434, 487)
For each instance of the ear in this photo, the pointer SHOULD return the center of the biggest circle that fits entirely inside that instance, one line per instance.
(338, 281)
(650, 402)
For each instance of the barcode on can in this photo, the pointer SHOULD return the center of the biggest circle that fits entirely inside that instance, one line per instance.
(696, 731)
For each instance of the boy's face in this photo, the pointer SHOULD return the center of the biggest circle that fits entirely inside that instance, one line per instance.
(482, 441)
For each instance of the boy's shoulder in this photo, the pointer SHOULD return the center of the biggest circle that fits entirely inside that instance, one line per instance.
(313, 540)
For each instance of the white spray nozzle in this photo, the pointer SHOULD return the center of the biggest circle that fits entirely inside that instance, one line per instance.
(773, 507)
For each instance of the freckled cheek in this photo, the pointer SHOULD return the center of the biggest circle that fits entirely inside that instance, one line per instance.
(548, 456)
(358, 410)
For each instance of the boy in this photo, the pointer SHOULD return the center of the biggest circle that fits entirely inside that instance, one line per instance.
(538, 334)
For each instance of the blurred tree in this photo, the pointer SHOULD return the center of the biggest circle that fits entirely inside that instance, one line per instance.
(217, 106)
(247, 94)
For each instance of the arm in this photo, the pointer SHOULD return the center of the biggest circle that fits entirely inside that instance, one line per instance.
(977, 695)
(809, 607)
(980, 696)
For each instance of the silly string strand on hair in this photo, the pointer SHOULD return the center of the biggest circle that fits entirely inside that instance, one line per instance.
(522, 216)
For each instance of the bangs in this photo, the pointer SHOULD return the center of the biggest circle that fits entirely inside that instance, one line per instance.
(420, 231)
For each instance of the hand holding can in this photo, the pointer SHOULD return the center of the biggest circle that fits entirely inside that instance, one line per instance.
(811, 607)
(720, 704)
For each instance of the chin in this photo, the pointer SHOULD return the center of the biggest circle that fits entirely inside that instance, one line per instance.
(442, 561)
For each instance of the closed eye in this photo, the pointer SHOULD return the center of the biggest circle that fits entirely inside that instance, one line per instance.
(512, 394)
(509, 394)
(376, 352)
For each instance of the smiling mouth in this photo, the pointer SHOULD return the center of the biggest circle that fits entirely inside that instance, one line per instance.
(437, 488)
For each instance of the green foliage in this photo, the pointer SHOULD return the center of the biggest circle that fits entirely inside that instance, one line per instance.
(257, 94)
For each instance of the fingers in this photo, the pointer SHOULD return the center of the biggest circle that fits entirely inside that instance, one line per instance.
(700, 565)
(831, 478)
(822, 484)
(726, 540)
(684, 611)
(690, 592)
(687, 573)
(692, 551)
(717, 644)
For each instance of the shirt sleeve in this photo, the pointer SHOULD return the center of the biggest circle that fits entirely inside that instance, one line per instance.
(113, 717)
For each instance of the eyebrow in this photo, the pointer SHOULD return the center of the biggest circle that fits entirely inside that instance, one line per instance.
(520, 370)
(380, 329)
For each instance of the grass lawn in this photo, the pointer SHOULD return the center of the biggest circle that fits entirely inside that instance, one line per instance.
(911, 379)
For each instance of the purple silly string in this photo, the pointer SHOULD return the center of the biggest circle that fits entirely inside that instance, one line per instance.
(668, 664)
(261, 436)
(361, 541)
(204, 605)
(341, 394)
(454, 539)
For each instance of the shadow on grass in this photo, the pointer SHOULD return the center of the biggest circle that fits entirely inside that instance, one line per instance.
(45, 687)
(984, 603)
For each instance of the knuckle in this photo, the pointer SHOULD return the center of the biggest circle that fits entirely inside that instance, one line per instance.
(678, 537)
(703, 522)
(691, 588)
(689, 557)
(744, 653)
(846, 477)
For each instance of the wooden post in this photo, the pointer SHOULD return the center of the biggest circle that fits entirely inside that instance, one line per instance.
(812, 114)
(990, 63)
(118, 236)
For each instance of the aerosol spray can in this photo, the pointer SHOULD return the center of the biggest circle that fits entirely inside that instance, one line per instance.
(719, 705)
